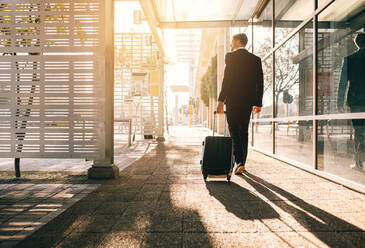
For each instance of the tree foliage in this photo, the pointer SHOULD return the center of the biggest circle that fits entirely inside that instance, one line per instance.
(286, 72)
(208, 85)
(204, 91)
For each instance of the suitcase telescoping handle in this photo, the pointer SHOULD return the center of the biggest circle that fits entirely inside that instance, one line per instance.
(225, 120)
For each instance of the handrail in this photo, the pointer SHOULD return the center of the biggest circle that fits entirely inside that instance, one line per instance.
(129, 121)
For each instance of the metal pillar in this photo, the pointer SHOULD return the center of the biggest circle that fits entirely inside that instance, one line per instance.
(220, 69)
(253, 125)
(315, 85)
(223, 46)
(104, 168)
(274, 110)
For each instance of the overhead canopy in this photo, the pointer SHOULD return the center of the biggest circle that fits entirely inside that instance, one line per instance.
(204, 10)
(203, 13)
(227, 13)
(175, 14)
(230, 13)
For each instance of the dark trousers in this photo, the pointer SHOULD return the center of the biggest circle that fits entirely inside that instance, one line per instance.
(238, 123)
(359, 134)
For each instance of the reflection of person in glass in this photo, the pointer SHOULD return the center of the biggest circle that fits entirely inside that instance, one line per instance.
(353, 78)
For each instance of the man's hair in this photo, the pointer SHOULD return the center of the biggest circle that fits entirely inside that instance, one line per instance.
(360, 40)
(242, 38)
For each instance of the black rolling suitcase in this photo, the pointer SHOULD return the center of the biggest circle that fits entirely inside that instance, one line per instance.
(217, 155)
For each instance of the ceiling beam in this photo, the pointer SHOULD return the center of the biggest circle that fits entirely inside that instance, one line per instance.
(229, 23)
(203, 24)
(173, 10)
(152, 19)
(261, 5)
(289, 4)
(237, 10)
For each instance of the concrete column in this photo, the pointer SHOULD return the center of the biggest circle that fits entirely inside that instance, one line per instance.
(104, 168)
(176, 112)
(161, 104)
(210, 114)
(201, 113)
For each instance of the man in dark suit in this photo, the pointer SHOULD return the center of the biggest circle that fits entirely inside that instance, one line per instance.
(242, 91)
(353, 78)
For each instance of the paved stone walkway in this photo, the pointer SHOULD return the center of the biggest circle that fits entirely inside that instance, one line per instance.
(47, 188)
(26, 207)
(162, 201)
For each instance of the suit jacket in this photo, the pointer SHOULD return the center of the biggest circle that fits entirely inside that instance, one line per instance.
(243, 80)
(353, 73)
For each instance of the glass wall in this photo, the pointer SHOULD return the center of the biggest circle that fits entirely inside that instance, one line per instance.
(337, 151)
(288, 15)
(263, 132)
(294, 74)
(263, 34)
(267, 102)
(262, 45)
(341, 90)
(334, 131)
(336, 45)
(294, 140)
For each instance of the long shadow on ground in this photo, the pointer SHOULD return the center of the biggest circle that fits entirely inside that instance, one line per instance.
(135, 210)
(311, 218)
(240, 201)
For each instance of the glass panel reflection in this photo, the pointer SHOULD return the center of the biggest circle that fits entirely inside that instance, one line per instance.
(262, 31)
(294, 140)
(294, 75)
(262, 46)
(263, 135)
(341, 59)
(289, 14)
(266, 111)
(341, 148)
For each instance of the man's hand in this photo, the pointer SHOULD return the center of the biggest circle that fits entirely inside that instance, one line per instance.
(256, 109)
(220, 108)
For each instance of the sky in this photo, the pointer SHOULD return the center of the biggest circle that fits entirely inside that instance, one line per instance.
(177, 74)
(123, 18)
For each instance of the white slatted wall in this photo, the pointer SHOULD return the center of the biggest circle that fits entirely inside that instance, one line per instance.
(52, 75)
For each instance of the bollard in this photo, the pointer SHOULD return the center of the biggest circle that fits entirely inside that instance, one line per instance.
(17, 167)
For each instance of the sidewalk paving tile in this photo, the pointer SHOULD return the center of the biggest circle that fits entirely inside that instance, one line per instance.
(161, 200)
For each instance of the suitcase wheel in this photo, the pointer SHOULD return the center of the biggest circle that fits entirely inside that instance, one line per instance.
(205, 176)
(201, 161)
(228, 178)
(203, 143)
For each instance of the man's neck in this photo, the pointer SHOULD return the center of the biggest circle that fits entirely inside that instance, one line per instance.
(240, 48)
